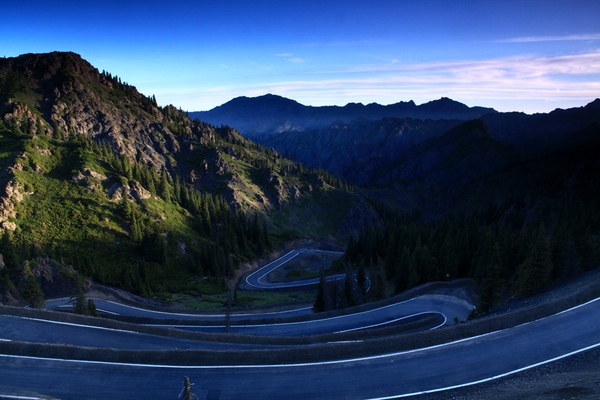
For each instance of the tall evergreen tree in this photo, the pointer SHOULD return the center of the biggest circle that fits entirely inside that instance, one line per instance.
(535, 272)
(492, 283)
(31, 291)
(320, 303)
(349, 288)
(361, 280)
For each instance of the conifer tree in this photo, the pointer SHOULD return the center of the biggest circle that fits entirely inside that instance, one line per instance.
(349, 288)
(403, 270)
(91, 308)
(79, 306)
(319, 304)
(7, 248)
(361, 280)
(31, 291)
(536, 271)
(492, 283)
(164, 187)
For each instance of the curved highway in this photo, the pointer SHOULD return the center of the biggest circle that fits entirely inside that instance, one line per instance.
(387, 376)
(257, 279)
(111, 307)
(38, 330)
(447, 306)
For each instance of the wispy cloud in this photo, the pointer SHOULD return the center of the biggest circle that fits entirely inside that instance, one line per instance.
(525, 83)
(291, 57)
(530, 39)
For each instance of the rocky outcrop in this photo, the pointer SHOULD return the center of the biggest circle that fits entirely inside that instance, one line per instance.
(56, 279)
(12, 194)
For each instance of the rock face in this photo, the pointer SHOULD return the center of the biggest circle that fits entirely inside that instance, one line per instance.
(56, 279)
(62, 96)
(76, 99)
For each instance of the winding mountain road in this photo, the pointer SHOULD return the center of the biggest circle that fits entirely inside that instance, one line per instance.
(446, 306)
(387, 376)
(257, 279)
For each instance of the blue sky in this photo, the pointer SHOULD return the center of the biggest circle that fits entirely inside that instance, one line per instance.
(523, 55)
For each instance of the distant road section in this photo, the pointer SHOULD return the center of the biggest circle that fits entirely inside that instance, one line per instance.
(257, 279)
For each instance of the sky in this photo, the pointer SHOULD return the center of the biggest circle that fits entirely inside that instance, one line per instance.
(513, 55)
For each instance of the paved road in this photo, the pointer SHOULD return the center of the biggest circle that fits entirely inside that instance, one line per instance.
(257, 279)
(130, 311)
(45, 331)
(385, 376)
(393, 314)
(448, 307)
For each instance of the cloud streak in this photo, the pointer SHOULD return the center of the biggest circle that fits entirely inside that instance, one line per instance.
(532, 39)
(521, 83)
(291, 58)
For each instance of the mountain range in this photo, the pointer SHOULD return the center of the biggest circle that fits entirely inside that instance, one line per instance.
(271, 114)
(355, 144)
(98, 181)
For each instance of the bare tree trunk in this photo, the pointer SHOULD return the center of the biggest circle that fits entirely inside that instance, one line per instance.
(187, 389)
(228, 313)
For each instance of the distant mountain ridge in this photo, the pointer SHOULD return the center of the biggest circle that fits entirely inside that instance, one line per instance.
(270, 113)
(354, 144)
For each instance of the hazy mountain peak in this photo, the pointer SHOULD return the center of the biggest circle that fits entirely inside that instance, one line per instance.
(271, 113)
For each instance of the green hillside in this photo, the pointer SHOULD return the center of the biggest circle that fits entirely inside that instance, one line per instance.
(137, 196)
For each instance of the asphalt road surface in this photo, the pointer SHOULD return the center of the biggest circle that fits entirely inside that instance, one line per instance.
(448, 307)
(110, 307)
(51, 332)
(257, 279)
(387, 376)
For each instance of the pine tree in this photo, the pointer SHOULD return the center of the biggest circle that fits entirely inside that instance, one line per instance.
(572, 261)
(91, 308)
(31, 291)
(349, 288)
(320, 303)
(378, 284)
(535, 272)
(361, 280)
(403, 270)
(164, 187)
(7, 248)
(492, 283)
(79, 306)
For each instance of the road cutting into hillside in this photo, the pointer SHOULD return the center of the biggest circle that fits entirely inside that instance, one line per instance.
(387, 376)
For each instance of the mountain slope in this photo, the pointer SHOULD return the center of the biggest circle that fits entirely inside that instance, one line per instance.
(95, 174)
(355, 150)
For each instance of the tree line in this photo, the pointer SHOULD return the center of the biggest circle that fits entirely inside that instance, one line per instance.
(508, 251)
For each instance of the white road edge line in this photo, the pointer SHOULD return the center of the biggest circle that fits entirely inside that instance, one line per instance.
(77, 325)
(491, 378)
(199, 316)
(395, 320)
(265, 266)
(107, 312)
(289, 323)
(389, 355)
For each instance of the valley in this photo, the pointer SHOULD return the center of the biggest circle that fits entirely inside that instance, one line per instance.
(350, 252)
